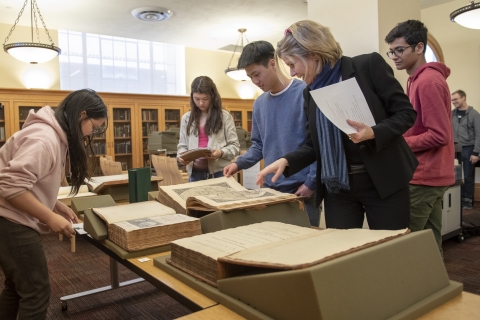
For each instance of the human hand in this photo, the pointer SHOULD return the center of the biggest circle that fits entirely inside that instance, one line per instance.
(230, 170)
(184, 162)
(277, 167)
(364, 132)
(59, 224)
(304, 191)
(214, 155)
(63, 210)
(473, 159)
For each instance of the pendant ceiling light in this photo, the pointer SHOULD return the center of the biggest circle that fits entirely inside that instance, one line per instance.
(31, 52)
(233, 72)
(468, 16)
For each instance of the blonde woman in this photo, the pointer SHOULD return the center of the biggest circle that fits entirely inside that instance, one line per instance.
(363, 173)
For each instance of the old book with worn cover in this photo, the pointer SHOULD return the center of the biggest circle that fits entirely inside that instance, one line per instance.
(147, 224)
(202, 197)
(193, 154)
(268, 246)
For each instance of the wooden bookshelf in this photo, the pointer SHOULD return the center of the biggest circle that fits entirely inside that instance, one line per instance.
(131, 116)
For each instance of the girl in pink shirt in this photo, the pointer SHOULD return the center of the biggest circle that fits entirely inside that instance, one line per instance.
(207, 125)
(32, 165)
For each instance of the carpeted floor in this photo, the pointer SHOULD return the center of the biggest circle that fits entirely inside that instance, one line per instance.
(88, 268)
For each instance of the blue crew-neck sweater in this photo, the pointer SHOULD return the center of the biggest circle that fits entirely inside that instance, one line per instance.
(279, 127)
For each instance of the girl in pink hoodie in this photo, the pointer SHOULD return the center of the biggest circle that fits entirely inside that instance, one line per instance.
(32, 165)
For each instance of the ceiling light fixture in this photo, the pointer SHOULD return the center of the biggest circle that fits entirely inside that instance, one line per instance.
(32, 52)
(233, 72)
(152, 14)
(468, 16)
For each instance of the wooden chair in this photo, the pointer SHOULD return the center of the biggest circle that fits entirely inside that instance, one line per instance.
(167, 168)
(113, 167)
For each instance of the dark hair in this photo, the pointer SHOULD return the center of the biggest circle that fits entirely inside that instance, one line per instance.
(461, 93)
(413, 31)
(205, 85)
(79, 148)
(258, 52)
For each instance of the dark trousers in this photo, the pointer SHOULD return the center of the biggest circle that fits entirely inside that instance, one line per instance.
(22, 259)
(347, 209)
(468, 173)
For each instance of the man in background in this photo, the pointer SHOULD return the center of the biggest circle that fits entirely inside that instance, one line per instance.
(466, 132)
(278, 124)
(431, 137)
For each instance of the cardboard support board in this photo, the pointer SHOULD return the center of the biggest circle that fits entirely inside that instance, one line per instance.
(399, 279)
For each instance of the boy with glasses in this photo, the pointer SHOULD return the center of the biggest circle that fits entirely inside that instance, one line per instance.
(431, 137)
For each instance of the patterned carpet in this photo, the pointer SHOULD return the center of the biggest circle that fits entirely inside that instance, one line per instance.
(88, 268)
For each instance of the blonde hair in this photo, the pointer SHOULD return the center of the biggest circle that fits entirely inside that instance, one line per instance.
(309, 39)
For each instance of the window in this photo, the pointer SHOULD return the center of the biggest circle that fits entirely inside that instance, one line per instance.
(114, 64)
(434, 52)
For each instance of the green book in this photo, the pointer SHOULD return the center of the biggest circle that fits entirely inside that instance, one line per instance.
(139, 184)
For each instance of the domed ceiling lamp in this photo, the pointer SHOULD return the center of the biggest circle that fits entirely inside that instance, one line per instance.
(233, 72)
(32, 52)
(468, 16)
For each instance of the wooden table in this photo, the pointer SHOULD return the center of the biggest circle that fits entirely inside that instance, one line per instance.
(464, 307)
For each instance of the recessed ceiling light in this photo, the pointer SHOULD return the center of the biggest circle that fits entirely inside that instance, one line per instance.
(152, 14)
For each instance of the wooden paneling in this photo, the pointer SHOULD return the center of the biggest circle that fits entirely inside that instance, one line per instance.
(169, 108)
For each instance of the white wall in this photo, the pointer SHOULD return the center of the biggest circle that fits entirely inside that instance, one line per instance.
(461, 48)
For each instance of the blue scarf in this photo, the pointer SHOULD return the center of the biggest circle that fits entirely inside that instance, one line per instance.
(334, 163)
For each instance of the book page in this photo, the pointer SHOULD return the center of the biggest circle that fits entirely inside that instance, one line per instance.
(96, 181)
(132, 211)
(225, 199)
(311, 248)
(153, 221)
(225, 242)
(181, 192)
(64, 192)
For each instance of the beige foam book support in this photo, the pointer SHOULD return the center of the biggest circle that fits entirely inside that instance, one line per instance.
(270, 245)
(147, 224)
(218, 194)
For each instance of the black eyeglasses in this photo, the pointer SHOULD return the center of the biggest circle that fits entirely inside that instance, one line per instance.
(97, 130)
(398, 52)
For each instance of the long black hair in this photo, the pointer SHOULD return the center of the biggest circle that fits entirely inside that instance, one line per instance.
(205, 85)
(79, 148)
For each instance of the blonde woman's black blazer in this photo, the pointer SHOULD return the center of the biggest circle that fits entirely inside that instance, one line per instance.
(387, 158)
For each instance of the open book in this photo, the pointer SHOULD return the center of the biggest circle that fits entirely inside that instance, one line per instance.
(201, 197)
(193, 154)
(147, 224)
(97, 184)
(65, 197)
(268, 246)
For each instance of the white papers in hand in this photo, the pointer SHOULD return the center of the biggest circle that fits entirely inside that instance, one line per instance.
(341, 101)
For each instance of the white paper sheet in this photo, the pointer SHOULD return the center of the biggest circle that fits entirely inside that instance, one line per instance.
(250, 176)
(342, 101)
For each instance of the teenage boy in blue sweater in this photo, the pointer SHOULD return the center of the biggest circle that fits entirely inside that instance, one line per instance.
(278, 124)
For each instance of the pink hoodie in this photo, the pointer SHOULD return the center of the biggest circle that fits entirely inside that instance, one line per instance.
(431, 137)
(33, 159)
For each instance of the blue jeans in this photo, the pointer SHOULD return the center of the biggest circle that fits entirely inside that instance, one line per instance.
(468, 173)
(203, 175)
